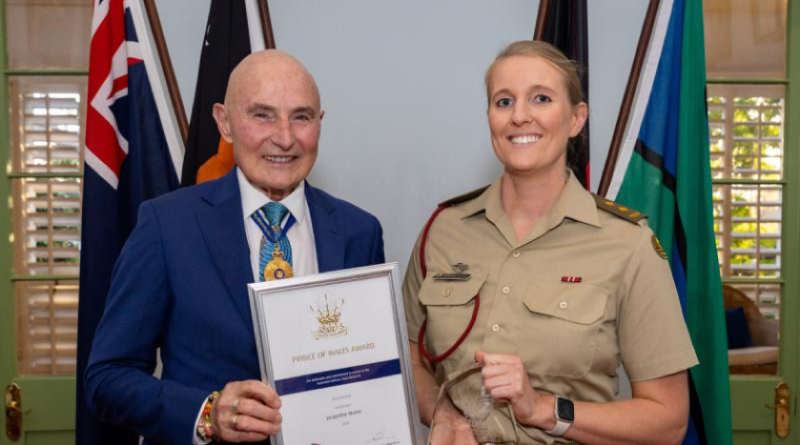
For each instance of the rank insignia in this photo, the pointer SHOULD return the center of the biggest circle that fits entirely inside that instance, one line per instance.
(459, 273)
(657, 246)
(567, 279)
(620, 210)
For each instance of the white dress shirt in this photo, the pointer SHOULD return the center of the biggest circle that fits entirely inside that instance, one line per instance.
(301, 237)
(301, 234)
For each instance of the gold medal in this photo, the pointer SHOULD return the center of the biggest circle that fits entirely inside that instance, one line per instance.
(277, 268)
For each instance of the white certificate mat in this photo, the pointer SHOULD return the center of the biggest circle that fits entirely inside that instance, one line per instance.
(335, 348)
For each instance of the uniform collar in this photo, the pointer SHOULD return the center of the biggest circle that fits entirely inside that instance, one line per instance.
(574, 203)
(253, 199)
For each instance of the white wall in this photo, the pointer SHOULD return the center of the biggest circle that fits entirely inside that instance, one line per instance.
(614, 29)
(402, 86)
(184, 25)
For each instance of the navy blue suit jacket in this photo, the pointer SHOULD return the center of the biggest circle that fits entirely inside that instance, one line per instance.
(180, 284)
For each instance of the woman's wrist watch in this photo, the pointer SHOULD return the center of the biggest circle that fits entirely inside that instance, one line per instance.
(564, 413)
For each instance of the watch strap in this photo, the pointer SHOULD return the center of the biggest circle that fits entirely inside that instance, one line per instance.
(561, 425)
(560, 429)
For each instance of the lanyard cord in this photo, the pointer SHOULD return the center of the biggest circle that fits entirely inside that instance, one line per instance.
(421, 335)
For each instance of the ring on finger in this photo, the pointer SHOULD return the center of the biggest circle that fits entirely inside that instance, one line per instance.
(234, 420)
(235, 405)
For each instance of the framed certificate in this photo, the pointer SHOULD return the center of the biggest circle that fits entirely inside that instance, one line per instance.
(334, 346)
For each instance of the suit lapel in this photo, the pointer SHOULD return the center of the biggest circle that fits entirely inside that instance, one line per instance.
(328, 236)
(223, 230)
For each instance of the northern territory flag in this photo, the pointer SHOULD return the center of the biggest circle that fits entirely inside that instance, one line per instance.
(226, 43)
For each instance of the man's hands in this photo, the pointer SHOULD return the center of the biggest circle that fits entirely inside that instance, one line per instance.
(246, 411)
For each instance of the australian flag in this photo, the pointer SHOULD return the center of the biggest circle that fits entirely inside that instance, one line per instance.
(127, 161)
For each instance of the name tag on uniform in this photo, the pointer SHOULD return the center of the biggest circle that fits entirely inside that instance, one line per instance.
(452, 276)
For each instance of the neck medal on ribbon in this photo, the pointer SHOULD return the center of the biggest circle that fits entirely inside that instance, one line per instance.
(280, 266)
(277, 268)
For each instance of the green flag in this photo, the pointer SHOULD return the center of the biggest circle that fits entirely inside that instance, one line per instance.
(665, 174)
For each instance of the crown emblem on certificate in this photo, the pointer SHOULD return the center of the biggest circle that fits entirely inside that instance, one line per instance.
(329, 315)
(277, 268)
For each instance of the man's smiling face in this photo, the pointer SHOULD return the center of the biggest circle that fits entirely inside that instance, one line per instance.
(272, 117)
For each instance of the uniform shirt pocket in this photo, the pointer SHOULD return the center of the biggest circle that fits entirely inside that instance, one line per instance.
(449, 306)
(560, 327)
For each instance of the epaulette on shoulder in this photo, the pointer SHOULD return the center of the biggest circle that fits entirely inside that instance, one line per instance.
(623, 212)
(464, 198)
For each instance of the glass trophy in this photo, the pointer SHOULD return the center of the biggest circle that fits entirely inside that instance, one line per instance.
(463, 412)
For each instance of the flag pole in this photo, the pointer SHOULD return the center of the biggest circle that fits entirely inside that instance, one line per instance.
(541, 16)
(266, 24)
(627, 99)
(166, 64)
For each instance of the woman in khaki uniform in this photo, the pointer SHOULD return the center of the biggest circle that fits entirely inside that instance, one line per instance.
(547, 286)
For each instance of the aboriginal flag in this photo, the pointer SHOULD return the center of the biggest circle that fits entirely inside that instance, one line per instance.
(132, 154)
(226, 43)
(565, 27)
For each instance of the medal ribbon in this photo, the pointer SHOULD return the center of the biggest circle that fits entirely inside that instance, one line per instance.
(270, 234)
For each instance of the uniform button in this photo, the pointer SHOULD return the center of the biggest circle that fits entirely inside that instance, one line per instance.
(447, 292)
(495, 327)
(515, 254)
(563, 305)
(506, 290)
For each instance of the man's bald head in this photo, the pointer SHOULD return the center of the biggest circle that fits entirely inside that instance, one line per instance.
(270, 64)
(272, 118)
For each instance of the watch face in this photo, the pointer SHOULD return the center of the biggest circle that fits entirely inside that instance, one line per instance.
(566, 409)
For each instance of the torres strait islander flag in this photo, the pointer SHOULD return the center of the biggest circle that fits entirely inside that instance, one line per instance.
(133, 153)
(663, 171)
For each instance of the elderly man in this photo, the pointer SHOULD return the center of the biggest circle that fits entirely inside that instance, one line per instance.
(181, 281)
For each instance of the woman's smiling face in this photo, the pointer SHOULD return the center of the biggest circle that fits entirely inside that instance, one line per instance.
(531, 117)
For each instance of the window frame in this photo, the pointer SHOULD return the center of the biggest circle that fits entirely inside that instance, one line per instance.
(9, 276)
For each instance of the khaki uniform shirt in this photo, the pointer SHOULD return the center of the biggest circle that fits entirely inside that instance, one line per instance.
(585, 291)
